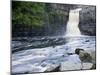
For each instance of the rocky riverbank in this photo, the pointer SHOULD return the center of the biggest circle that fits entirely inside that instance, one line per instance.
(52, 58)
(68, 65)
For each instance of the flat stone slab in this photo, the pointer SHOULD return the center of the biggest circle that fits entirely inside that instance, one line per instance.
(87, 66)
(66, 66)
(70, 66)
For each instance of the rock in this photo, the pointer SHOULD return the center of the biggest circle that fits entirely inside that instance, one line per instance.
(93, 66)
(66, 66)
(53, 68)
(21, 69)
(87, 40)
(77, 51)
(87, 23)
(86, 55)
(70, 66)
(87, 66)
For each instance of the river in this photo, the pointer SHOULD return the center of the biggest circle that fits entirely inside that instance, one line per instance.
(35, 54)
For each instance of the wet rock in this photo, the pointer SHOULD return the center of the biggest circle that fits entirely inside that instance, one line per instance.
(87, 40)
(86, 55)
(53, 68)
(87, 66)
(87, 23)
(70, 66)
(21, 69)
(66, 66)
(93, 66)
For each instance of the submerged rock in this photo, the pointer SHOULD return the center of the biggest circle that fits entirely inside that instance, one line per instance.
(87, 40)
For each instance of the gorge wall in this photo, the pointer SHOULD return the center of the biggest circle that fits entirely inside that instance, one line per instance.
(55, 19)
(87, 23)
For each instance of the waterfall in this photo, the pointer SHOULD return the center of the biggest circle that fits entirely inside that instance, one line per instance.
(73, 22)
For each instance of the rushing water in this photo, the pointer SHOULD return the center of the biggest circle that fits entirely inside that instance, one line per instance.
(36, 54)
(72, 25)
(37, 59)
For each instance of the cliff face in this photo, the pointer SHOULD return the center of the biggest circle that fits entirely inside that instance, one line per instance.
(57, 23)
(87, 23)
(55, 19)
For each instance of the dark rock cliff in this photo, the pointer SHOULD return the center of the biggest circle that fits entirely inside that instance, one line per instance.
(87, 23)
(55, 21)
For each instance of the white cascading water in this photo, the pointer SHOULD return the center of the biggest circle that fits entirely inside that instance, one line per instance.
(72, 25)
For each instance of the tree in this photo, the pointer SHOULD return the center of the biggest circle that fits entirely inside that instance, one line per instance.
(27, 13)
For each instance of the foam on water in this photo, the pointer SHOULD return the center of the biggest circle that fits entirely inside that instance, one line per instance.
(50, 55)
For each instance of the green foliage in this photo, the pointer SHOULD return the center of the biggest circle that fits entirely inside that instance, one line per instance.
(28, 13)
(33, 13)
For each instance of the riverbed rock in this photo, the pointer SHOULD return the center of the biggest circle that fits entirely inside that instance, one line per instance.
(87, 66)
(86, 55)
(93, 66)
(53, 68)
(70, 66)
(66, 66)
